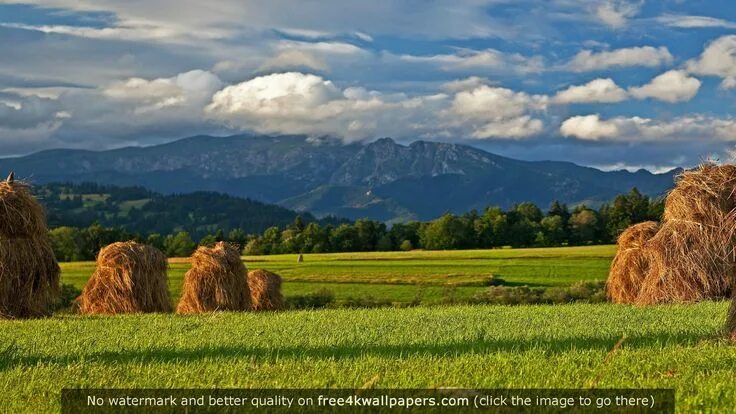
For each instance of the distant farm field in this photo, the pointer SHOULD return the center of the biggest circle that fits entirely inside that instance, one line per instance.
(404, 276)
(482, 346)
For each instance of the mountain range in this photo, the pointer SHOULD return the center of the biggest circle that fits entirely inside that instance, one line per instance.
(382, 180)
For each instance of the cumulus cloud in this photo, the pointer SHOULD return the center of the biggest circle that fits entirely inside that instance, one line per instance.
(718, 59)
(302, 103)
(498, 112)
(597, 90)
(672, 86)
(617, 13)
(648, 56)
(638, 129)
(190, 88)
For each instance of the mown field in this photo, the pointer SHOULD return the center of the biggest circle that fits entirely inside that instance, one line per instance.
(478, 346)
(457, 346)
(406, 276)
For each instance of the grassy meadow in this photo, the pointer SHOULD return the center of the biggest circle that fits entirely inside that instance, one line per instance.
(456, 346)
(405, 276)
(470, 346)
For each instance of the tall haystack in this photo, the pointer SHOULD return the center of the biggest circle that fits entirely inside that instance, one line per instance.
(631, 264)
(217, 281)
(689, 262)
(130, 278)
(693, 254)
(29, 273)
(265, 290)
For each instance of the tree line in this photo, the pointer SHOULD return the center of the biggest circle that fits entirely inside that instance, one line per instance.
(523, 225)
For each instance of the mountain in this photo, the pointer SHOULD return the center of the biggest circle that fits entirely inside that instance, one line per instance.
(382, 180)
(142, 211)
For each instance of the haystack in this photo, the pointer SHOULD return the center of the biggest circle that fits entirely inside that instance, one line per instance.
(130, 278)
(631, 264)
(217, 281)
(29, 273)
(265, 290)
(693, 254)
(689, 262)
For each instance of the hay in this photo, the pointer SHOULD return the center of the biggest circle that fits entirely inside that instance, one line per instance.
(129, 278)
(692, 256)
(21, 216)
(217, 281)
(631, 264)
(265, 290)
(29, 273)
(689, 262)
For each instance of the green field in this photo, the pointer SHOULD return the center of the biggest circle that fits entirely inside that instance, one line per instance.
(479, 346)
(404, 276)
(466, 346)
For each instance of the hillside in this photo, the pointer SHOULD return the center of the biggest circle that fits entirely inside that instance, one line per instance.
(139, 210)
(382, 180)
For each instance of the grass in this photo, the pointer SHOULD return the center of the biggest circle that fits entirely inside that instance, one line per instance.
(403, 276)
(467, 346)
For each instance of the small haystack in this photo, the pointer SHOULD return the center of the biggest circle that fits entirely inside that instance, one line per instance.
(130, 278)
(265, 290)
(631, 264)
(29, 273)
(217, 281)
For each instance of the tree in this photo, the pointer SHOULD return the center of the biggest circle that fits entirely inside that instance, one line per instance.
(553, 230)
(583, 226)
(67, 243)
(180, 245)
(156, 240)
(406, 246)
(445, 233)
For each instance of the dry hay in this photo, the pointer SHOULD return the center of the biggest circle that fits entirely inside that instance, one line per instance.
(265, 290)
(689, 262)
(129, 278)
(705, 195)
(631, 264)
(29, 273)
(21, 216)
(217, 281)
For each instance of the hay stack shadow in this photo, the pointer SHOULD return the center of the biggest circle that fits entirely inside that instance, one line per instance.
(130, 278)
(217, 281)
(29, 273)
(265, 290)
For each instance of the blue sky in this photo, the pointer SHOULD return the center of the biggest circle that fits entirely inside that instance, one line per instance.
(607, 83)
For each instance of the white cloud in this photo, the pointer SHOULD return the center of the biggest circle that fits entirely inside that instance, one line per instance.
(672, 86)
(597, 90)
(488, 59)
(301, 103)
(637, 129)
(616, 13)
(191, 88)
(588, 127)
(19, 112)
(694, 22)
(648, 56)
(498, 112)
(718, 59)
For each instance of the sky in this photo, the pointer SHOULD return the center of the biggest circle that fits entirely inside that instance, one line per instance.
(606, 83)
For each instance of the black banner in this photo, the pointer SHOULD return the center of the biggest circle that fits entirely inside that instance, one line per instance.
(105, 401)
